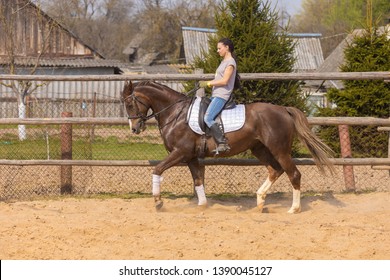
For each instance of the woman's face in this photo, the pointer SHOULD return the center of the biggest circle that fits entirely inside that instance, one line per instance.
(222, 49)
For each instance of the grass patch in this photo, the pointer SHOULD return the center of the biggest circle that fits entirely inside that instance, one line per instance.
(100, 149)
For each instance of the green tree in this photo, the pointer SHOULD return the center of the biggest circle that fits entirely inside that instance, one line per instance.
(364, 98)
(252, 25)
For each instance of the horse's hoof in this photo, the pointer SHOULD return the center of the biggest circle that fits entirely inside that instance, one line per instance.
(294, 210)
(260, 206)
(202, 206)
(159, 204)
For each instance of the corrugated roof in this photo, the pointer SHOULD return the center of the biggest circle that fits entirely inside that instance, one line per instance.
(308, 50)
(65, 62)
(196, 42)
(161, 69)
(309, 54)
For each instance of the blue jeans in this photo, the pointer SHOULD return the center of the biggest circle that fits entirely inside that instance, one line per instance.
(215, 107)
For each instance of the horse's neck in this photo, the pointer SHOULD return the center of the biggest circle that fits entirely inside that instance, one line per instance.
(164, 105)
(160, 100)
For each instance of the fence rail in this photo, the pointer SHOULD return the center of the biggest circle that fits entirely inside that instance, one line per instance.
(124, 121)
(219, 161)
(385, 76)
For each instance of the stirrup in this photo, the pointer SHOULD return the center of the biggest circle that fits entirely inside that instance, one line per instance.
(221, 148)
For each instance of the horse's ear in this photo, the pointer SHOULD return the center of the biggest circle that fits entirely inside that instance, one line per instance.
(128, 89)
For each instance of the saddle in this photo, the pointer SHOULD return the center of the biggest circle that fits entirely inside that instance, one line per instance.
(204, 104)
(232, 119)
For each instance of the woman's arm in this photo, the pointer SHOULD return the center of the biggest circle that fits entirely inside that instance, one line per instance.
(225, 79)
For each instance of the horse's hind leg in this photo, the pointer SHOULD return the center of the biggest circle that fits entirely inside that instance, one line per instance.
(197, 172)
(295, 178)
(276, 165)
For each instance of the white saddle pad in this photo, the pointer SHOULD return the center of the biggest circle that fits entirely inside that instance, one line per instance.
(233, 119)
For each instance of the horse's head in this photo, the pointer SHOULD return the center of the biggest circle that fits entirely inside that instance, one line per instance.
(136, 108)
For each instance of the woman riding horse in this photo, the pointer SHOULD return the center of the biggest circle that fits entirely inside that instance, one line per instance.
(268, 132)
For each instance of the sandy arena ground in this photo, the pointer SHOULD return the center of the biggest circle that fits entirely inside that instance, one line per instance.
(342, 226)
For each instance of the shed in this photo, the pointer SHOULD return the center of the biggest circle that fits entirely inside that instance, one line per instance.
(34, 43)
(31, 38)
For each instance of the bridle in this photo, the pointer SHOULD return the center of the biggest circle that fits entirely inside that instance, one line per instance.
(135, 101)
(138, 115)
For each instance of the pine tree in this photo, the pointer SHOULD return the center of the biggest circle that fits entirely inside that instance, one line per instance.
(252, 26)
(363, 98)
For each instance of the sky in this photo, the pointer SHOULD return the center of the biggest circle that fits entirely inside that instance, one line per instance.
(291, 6)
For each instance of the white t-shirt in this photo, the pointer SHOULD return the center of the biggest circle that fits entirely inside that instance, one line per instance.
(225, 91)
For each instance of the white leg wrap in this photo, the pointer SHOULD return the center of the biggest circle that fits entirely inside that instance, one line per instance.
(130, 126)
(202, 200)
(296, 205)
(261, 192)
(156, 184)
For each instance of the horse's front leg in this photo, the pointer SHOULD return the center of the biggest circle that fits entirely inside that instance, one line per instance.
(197, 172)
(174, 158)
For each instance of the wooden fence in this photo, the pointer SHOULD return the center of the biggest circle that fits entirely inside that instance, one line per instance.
(378, 162)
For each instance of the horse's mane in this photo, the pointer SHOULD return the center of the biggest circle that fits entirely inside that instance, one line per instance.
(156, 85)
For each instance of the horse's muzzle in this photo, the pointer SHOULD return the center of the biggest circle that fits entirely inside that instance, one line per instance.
(139, 127)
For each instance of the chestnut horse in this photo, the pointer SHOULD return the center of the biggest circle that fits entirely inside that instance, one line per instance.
(268, 132)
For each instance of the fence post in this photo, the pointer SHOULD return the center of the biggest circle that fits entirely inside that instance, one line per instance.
(388, 145)
(200, 92)
(66, 153)
(345, 145)
(93, 116)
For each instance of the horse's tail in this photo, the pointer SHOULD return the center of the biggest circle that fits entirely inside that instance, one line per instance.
(319, 150)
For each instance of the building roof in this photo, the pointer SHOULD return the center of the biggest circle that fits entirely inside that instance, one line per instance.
(65, 62)
(196, 42)
(308, 52)
(308, 48)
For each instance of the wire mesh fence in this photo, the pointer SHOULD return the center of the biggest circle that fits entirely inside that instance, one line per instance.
(115, 142)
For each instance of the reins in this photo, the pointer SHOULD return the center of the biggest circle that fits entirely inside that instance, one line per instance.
(148, 117)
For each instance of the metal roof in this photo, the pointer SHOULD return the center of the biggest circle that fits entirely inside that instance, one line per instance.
(195, 41)
(308, 53)
(65, 62)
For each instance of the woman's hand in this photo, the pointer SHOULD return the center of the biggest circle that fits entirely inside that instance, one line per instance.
(204, 84)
